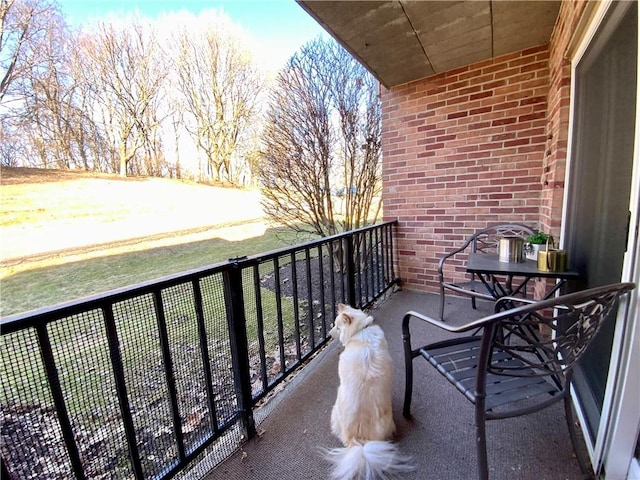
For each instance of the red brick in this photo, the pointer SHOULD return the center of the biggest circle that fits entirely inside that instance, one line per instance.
(465, 148)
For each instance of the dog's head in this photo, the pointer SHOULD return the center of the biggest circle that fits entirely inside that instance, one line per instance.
(349, 321)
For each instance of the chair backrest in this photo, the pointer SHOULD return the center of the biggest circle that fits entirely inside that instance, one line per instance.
(488, 239)
(485, 240)
(549, 337)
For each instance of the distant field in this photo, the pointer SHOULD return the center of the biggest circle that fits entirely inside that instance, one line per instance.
(66, 234)
(46, 211)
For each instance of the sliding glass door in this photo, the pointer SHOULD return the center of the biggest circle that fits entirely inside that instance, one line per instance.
(599, 218)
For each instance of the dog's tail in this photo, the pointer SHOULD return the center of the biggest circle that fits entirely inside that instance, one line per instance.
(368, 461)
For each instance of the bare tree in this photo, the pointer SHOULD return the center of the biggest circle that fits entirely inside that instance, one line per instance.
(10, 147)
(55, 125)
(39, 94)
(20, 28)
(176, 126)
(221, 88)
(99, 99)
(24, 26)
(126, 72)
(89, 145)
(320, 169)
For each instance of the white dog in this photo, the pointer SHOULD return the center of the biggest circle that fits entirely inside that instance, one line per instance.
(361, 417)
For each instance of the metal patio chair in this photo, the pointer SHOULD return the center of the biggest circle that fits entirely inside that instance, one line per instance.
(519, 360)
(484, 241)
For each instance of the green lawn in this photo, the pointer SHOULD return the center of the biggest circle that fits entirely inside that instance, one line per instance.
(42, 287)
(79, 342)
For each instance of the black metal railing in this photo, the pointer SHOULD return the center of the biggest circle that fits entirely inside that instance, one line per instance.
(138, 382)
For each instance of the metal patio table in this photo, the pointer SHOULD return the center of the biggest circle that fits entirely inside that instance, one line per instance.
(511, 278)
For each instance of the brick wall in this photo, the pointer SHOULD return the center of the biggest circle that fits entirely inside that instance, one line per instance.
(463, 150)
(554, 163)
(478, 145)
(558, 106)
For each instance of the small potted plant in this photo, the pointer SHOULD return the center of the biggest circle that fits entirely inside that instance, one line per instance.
(534, 243)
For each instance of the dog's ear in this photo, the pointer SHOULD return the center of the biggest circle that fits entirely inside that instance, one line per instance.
(347, 318)
(341, 307)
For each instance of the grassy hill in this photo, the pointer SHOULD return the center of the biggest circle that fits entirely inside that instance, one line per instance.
(70, 234)
(45, 211)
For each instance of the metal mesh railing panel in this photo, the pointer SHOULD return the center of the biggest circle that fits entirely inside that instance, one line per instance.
(143, 367)
(285, 316)
(217, 331)
(301, 299)
(257, 340)
(81, 353)
(187, 363)
(274, 305)
(370, 265)
(317, 308)
(31, 433)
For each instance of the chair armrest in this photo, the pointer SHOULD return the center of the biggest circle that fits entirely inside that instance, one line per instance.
(446, 326)
(499, 305)
(500, 313)
(598, 296)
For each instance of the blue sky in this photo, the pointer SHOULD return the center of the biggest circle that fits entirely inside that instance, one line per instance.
(281, 25)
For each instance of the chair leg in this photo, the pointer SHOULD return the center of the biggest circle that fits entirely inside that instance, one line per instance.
(441, 302)
(481, 440)
(408, 375)
(575, 440)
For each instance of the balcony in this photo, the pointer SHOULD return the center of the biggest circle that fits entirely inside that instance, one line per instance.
(439, 438)
(199, 376)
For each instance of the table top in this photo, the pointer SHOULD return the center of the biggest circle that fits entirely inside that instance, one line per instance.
(486, 263)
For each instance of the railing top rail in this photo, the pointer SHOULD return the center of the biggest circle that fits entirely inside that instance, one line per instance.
(12, 323)
(314, 243)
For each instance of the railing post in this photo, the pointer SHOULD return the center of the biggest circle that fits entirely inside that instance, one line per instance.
(169, 372)
(4, 471)
(121, 389)
(350, 266)
(62, 413)
(234, 304)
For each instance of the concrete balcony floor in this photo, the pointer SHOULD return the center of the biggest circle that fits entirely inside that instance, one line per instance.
(440, 436)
